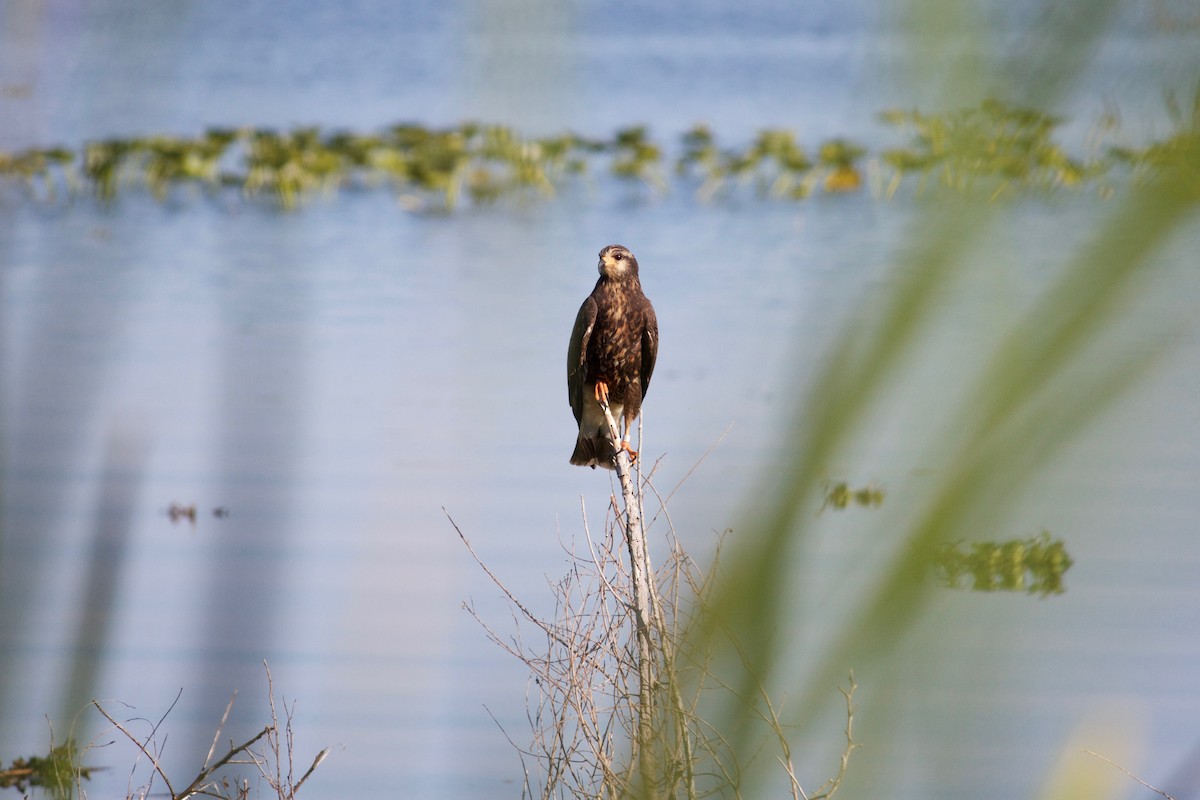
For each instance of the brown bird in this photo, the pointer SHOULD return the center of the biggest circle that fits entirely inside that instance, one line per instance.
(610, 358)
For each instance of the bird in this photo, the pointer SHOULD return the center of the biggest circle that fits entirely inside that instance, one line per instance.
(610, 358)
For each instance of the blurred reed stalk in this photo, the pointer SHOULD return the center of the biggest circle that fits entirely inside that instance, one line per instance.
(123, 472)
(1047, 372)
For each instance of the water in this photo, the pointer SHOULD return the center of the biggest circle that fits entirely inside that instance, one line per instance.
(342, 378)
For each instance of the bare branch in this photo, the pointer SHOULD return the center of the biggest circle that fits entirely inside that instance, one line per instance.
(220, 727)
(140, 746)
(198, 785)
(1154, 789)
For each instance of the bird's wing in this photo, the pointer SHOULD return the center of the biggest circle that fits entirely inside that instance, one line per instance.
(649, 346)
(577, 355)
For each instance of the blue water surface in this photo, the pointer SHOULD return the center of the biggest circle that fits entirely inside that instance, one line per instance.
(330, 387)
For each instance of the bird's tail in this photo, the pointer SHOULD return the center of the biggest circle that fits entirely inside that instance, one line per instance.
(594, 452)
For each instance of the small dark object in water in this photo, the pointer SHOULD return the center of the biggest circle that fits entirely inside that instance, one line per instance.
(178, 511)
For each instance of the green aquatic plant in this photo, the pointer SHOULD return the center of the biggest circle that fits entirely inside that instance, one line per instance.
(1035, 565)
(839, 159)
(840, 496)
(434, 161)
(774, 163)
(780, 164)
(57, 772)
(995, 145)
(102, 162)
(35, 166)
(504, 163)
(1174, 153)
(171, 161)
(39, 171)
(291, 165)
(700, 154)
(636, 157)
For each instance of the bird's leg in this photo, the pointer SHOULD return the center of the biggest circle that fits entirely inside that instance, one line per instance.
(601, 392)
(633, 454)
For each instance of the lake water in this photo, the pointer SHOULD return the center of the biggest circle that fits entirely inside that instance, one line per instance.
(340, 379)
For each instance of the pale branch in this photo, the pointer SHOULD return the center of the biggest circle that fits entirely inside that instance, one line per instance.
(137, 743)
(640, 571)
(281, 745)
(197, 786)
(1154, 789)
(220, 727)
(663, 501)
(321, 756)
(833, 783)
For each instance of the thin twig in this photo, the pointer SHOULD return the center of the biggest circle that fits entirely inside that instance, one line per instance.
(197, 786)
(1154, 789)
(500, 584)
(153, 760)
(832, 785)
(220, 727)
(697, 464)
(316, 763)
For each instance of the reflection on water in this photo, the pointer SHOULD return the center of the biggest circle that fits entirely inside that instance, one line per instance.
(334, 378)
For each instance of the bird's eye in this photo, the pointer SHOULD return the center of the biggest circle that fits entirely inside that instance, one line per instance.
(619, 256)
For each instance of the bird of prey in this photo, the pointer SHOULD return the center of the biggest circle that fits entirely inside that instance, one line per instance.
(610, 358)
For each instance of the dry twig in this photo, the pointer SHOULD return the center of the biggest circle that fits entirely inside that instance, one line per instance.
(1154, 789)
(205, 783)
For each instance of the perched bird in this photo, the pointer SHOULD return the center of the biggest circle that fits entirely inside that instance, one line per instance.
(610, 358)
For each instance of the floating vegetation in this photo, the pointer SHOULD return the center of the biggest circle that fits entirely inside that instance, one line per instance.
(57, 772)
(775, 164)
(438, 169)
(636, 157)
(994, 143)
(839, 496)
(839, 159)
(179, 512)
(1035, 565)
(1182, 148)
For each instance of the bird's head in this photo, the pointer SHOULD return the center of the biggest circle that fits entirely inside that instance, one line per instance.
(617, 263)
